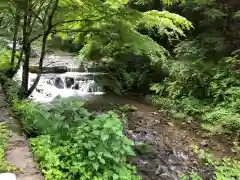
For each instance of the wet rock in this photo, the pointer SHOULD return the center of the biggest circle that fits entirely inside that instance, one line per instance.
(47, 70)
(140, 129)
(189, 120)
(59, 83)
(170, 123)
(76, 86)
(195, 162)
(144, 148)
(167, 176)
(50, 81)
(161, 169)
(39, 90)
(137, 114)
(175, 159)
(69, 81)
(131, 135)
(48, 94)
(133, 160)
(156, 121)
(204, 143)
(149, 139)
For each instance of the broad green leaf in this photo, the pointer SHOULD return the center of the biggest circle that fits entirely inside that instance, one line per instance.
(104, 137)
(91, 153)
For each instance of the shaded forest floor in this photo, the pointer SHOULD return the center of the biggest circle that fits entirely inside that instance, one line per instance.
(173, 141)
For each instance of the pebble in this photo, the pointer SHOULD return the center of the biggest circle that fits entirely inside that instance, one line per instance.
(189, 120)
(156, 121)
(204, 143)
(144, 148)
(175, 160)
(167, 176)
(161, 169)
(149, 139)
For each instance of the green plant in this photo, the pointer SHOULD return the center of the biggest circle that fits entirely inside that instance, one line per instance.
(94, 147)
(127, 108)
(225, 168)
(4, 165)
(4, 58)
(192, 176)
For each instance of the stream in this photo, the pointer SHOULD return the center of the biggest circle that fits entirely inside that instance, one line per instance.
(171, 143)
(70, 84)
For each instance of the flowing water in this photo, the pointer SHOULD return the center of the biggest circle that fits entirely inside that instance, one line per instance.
(69, 84)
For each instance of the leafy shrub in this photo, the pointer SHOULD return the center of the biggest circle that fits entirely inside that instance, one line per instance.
(127, 108)
(225, 168)
(71, 142)
(192, 106)
(4, 58)
(163, 102)
(193, 89)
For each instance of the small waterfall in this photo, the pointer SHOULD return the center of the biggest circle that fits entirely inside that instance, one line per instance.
(77, 84)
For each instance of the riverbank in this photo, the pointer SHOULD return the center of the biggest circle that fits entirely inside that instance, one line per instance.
(181, 147)
(167, 147)
(17, 154)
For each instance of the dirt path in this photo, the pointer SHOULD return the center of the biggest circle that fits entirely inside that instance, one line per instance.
(173, 142)
(18, 152)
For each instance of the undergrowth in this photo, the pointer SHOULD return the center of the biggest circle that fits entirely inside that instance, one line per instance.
(4, 58)
(225, 168)
(71, 143)
(193, 90)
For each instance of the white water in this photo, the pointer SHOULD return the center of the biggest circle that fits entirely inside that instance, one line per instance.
(52, 85)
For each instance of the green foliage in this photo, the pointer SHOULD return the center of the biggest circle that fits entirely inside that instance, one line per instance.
(127, 72)
(225, 168)
(126, 38)
(167, 24)
(163, 102)
(71, 142)
(4, 59)
(192, 176)
(198, 87)
(127, 108)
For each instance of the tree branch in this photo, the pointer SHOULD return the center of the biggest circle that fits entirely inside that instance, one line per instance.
(43, 50)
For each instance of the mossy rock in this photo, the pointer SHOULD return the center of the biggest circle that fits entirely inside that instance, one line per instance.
(179, 115)
(144, 148)
(128, 108)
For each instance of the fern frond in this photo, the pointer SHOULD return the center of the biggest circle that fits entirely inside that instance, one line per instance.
(169, 24)
(213, 14)
(236, 15)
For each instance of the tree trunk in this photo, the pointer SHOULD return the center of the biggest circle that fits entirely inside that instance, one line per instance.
(43, 50)
(26, 49)
(15, 35)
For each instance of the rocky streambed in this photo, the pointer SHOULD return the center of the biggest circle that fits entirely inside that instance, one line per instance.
(164, 148)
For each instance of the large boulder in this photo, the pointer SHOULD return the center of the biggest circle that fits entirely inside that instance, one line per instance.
(59, 83)
(46, 70)
(69, 81)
